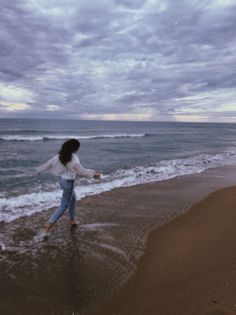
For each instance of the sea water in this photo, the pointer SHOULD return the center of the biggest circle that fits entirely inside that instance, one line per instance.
(79, 267)
(127, 153)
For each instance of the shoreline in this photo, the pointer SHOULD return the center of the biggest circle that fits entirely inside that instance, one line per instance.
(82, 267)
(188, 266)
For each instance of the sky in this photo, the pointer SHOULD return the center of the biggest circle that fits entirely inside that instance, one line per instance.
(143, 60)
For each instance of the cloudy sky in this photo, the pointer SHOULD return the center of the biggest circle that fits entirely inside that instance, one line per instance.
(167, 60)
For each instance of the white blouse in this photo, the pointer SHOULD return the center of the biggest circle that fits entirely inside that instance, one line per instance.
(69, 171)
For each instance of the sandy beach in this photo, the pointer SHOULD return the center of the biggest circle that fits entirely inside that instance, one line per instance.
(187, 263)
(189, 266)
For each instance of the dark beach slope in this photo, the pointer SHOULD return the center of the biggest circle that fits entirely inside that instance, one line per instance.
(189, 266)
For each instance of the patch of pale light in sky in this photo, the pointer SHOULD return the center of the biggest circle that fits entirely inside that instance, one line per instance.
(52, 107)
(13, 107)
(12, 93)
(221, 3)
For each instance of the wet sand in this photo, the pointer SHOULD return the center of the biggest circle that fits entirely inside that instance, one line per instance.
(188, 266)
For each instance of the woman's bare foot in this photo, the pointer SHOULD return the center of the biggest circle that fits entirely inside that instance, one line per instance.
(74, 222)
(47, 227)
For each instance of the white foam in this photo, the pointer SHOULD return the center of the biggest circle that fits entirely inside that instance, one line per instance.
(22, 205)
(114, 250)
(2, 246)
(64, 137)
(21, 138)
(97, 226)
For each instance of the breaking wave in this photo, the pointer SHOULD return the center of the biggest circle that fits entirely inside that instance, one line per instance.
(64, 137)
(27, 204)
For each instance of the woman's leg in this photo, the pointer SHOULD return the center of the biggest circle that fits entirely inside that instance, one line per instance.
(67, 187)
(72, 207)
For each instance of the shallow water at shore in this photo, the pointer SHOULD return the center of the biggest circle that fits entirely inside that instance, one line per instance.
(78, 267)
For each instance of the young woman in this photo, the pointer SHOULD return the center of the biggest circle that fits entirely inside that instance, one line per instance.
(66, 164)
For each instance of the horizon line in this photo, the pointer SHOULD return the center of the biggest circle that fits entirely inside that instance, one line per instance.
(114, 120)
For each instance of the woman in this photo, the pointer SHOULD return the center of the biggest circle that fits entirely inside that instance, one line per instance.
(66, 164)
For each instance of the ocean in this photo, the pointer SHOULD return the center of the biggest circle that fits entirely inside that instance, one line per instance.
(127, 153)
(77, 268)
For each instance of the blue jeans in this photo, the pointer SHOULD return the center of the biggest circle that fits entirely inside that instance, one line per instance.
(68, 200)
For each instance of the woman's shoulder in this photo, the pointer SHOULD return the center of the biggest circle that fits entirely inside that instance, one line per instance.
(75, 158)
(55, 159)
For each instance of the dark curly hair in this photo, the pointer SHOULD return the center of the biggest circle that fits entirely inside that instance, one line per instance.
(67, 149)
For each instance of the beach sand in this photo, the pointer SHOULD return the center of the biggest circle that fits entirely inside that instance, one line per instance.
(189, 266)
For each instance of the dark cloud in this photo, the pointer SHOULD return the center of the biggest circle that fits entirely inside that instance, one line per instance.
(149, 59)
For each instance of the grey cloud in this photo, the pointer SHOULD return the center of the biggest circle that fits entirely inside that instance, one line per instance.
(117, 56)
(133, 4)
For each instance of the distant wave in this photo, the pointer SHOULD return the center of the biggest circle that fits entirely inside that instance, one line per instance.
(64, 137)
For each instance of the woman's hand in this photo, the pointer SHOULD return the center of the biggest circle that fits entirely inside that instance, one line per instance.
(38, 171)
(97, 176)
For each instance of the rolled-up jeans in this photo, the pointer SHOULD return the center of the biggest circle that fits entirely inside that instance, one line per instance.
(68, 200)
